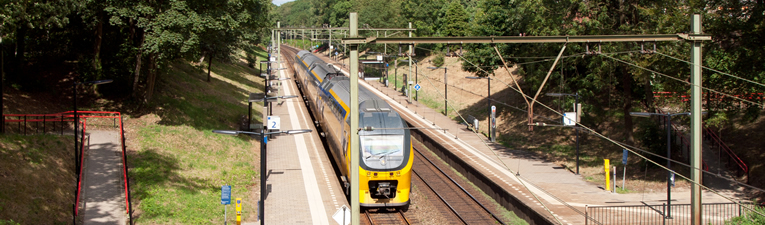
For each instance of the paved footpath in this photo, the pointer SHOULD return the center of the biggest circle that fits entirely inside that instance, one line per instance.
(102, 191)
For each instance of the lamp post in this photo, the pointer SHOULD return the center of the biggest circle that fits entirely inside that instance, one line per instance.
(263, 134)
(416, 77)
(76, 152)
(446, 104)
(76, 120)
(576, 125)
(258, 97)
(488, 103)
(669, 150)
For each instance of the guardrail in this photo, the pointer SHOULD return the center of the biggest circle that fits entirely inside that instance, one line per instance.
(27, 122)
(709, 134)
(712, 213)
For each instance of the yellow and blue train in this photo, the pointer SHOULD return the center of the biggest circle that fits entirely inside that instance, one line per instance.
(386, 154)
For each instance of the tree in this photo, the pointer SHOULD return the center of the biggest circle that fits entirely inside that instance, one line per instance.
(454, 21)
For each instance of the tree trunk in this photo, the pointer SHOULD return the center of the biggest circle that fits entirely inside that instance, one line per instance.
(97, 44)
(209, 66)
(152, 76)
(627, 85)
(649, 100)
(21, 33)
(138, 57)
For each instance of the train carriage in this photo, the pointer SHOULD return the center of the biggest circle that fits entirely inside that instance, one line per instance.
(386, 152)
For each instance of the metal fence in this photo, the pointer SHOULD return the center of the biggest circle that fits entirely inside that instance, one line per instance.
(711, 213)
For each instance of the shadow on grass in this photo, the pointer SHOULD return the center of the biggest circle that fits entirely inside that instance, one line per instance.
(160, 177)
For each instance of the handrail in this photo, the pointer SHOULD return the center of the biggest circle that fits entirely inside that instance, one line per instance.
(741, 165)
(82, 114)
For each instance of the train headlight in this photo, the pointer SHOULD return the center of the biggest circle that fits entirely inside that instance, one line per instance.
(398, 173)
(369, 174)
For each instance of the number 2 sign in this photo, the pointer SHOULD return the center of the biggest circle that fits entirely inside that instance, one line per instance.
(274, 122)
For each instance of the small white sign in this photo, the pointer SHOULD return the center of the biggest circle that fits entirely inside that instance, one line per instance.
(379, 58)
(343, 215)
(274, 122)
(569, 118)
(273, 59)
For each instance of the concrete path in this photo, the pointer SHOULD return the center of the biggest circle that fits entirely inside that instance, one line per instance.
(103, 192)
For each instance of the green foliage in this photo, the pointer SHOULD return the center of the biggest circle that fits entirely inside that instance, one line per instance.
(749, 217)
(438, 61)
(454, 21)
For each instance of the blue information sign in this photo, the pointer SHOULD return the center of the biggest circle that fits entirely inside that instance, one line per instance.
(624, 156)
(417, 87)
(225, 196)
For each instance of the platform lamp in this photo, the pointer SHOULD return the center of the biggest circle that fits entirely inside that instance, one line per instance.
(576, 124)
(257, 97)
(78, 153)
(416, 77)
(488, 103)
(263, 134)
(446, 90)
(669, 150)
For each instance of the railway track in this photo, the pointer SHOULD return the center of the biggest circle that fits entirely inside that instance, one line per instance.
(383, 217)
(445, 193)
(450, 196)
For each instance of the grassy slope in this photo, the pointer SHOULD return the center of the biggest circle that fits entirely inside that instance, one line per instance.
(37, 182)
(177, 164)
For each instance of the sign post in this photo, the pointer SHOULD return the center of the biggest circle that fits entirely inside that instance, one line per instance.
(225, 199)
(624, 162)
(493, 124)
(342, 216)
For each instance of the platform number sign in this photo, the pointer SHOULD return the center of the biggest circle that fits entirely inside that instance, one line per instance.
(417, 87)
(274, 122)
(225, 197)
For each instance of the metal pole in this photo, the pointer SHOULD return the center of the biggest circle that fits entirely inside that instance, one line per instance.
(263, 172)
(249, 115)
(408, 78)
(696, 122)
(416, 81)
(395, 74)
(76, 154)
(669, 161)
(329, 53)
(446, 95)
(576, 127)
(488, 104)
(354, 173)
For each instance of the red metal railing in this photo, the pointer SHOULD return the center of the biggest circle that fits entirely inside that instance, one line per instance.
(63, 118)
(721, 146)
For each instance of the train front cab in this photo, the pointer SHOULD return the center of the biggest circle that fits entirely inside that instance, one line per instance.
(386, 161)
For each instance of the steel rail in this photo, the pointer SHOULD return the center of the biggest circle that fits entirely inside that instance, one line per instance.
(461, 188)
(440, 197)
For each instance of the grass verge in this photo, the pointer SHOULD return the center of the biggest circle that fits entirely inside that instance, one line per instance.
(37, 179)
(177, 164)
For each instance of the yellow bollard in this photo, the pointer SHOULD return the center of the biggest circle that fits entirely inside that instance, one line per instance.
(608, 175)
(238, 211)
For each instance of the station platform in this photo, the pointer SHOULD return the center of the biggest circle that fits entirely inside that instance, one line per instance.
(555, 192)
(301, 184)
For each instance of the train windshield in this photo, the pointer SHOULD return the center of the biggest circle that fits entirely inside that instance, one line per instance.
(382, 151)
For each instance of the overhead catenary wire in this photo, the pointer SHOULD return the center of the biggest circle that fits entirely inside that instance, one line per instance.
(603, 137)
(617, 143)
(523, 183)
(686, 82)
(714, 70)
